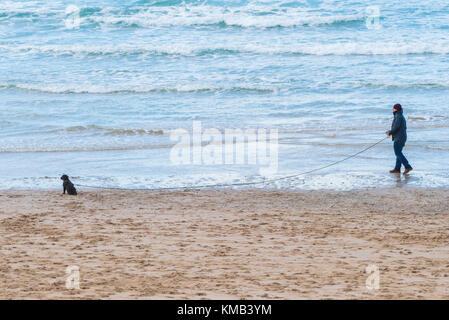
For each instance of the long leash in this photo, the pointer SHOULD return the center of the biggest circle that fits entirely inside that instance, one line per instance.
(240, 183)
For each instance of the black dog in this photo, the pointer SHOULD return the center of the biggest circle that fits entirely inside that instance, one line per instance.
(68, 186)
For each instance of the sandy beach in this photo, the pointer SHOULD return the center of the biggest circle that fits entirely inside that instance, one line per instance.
(213, 244)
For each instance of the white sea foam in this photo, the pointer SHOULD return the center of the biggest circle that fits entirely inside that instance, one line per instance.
(250, 16)
(146, 87)
(134, 89)
(188, 49)
(430, 84)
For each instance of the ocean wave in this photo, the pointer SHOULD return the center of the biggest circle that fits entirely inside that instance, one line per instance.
(436, 148)
(246, 17)
(250, 15)
(81, 148)
(143, 89)
(108, 130)
(188, 49)
(32, 149)
(404, 85)
(416, 118)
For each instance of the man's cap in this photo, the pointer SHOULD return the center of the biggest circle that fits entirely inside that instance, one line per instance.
(398, 107)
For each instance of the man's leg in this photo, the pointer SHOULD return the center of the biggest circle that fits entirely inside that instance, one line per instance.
(405, 162)
(407, 165)
(400, 156)
(397, 152)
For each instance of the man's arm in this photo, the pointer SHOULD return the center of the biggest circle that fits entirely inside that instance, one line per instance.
(396, 126)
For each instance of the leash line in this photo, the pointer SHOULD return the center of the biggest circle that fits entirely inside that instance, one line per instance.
(241, 183)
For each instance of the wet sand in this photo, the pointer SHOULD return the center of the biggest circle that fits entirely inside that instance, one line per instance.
(251, 244)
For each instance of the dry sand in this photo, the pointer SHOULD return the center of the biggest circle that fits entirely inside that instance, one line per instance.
(225, 244)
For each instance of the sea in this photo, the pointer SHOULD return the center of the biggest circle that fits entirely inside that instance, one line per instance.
(142, 94)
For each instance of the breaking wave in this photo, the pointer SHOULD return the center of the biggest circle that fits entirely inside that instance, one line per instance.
(109, 131)
(143, 89)
(181, 14)
(404, 85)
(320, 49)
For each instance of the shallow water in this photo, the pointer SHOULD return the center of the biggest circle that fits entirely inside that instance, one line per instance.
(99, 101)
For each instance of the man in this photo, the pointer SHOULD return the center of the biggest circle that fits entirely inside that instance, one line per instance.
(398, 134)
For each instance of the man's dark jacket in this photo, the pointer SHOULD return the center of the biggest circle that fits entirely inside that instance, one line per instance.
(398, 130)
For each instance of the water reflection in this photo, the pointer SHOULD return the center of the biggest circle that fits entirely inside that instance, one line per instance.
(402, 180)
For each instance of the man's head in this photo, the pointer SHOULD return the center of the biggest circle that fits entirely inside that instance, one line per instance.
(397, 107)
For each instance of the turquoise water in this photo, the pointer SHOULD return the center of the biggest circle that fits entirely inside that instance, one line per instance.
(98, 101)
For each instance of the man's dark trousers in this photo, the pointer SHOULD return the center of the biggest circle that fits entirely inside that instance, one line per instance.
(400, 158)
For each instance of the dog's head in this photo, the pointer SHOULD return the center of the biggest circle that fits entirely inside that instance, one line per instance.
(65, 177)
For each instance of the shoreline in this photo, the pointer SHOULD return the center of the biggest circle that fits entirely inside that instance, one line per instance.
(404, 186)
(225, 244)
